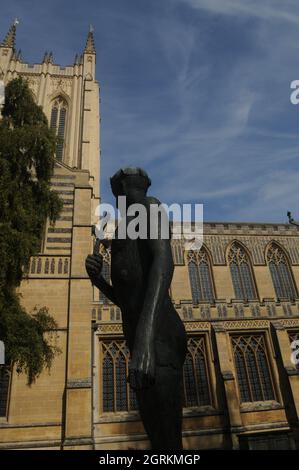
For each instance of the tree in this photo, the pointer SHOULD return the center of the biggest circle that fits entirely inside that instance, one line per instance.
(27, 148)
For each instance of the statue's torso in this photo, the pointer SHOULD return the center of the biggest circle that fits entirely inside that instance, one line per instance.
(130, 264)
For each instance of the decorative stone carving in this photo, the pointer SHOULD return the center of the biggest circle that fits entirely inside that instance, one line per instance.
(256, 245)
(63, 85)
(245, 324)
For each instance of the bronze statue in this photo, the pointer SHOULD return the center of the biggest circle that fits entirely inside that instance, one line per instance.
(141, 274)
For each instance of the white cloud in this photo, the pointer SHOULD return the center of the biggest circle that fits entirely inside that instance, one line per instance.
(286, 10)
(212, 132)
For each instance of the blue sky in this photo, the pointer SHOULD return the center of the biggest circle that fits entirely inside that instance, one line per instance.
(195, 91)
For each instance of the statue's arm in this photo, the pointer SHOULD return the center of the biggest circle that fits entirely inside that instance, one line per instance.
(159, 280)
(158, 284)
(94, 265)
(104, 287)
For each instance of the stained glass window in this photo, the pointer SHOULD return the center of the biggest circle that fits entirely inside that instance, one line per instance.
(281, 273)
(252, 367)
(241, 272)
(117, 394)
(58, 124)
(200, 276)
(196, 380)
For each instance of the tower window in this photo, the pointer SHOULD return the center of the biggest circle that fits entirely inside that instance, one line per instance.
(252, 367)
(200, 276)
(58, 124)
(241, 272)
(196, 380)
(281, 273)
(117, 394)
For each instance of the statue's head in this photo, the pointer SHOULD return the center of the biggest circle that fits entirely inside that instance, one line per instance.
(131, 182)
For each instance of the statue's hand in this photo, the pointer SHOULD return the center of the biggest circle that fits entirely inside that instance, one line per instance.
(94, 264)
(142, 366)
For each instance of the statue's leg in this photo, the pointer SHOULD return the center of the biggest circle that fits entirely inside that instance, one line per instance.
(160, 408)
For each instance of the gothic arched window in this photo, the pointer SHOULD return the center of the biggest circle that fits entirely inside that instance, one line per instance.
(196, 380)
(117, 395)
(58, 124)
(241, 272)
(281, 273)
(200, 276)
(253, 372)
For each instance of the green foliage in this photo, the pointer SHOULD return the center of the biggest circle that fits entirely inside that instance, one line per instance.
(30, 341)
(27, 147)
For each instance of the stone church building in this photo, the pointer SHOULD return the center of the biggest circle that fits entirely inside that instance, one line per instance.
(238, 298)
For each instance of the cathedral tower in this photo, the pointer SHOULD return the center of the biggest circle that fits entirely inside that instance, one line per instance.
(59, 404)
(69, 96)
